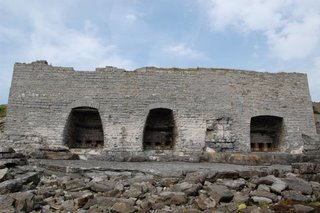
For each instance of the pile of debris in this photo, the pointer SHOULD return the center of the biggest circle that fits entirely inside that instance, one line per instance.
(25, 188)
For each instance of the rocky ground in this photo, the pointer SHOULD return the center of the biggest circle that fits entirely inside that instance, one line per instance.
(92, 186)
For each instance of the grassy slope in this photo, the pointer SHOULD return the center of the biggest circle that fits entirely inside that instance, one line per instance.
(3, 113)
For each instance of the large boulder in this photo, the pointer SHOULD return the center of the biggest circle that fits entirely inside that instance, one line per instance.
(6, 203)
(23, 201)
(295, 196)
(196, 177)
(15, 185)
(188, 188)
(219, 193)
(123, 206)
(263, 193)
(236, 184)
(278, 186)
(4, 173)
(298, 184)
(204, 202)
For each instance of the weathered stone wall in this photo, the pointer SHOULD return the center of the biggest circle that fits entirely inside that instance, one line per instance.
(42, 97)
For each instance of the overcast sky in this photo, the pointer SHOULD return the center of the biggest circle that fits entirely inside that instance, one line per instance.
(262, 35)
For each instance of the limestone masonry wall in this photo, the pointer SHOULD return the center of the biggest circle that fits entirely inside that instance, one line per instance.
(211, 107)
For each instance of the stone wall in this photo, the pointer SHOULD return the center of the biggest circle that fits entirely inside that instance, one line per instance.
(316, 109)
(210, 106)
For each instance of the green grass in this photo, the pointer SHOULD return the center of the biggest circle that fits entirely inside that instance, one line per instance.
(3, 111)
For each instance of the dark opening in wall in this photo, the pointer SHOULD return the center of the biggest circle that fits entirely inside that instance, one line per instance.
(84, 128)
(265, 133)
(159, 130)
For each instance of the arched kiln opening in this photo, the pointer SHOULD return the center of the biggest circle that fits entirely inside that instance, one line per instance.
(84, 128)
(265, 133)
(159, 130)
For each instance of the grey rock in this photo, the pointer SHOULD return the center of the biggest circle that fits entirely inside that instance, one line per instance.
(173, 198)
(89, 203)
(218, 192)
(257, 199)
(68, 206)
(305, 167)
(264, 187)
(119, 186)
(241, 197)
(188, 188)
(278, 186)
(236, 184)
(196, 177)
(302, 208)
(99, 187)
(3, 174)
(226, 207)
(263, 193)
(145, 187)
(74, 185)
(16, 184)
(96, 176)
(123, 207)
(6, 150)
(133, 192)
(169, 181)
(23, 201)
(82, 199)
(203, 202)
(298, 184)
(268, 180)
(12, 162)
(6, 202)
(295, 196)
(315, 189)
(141, 178)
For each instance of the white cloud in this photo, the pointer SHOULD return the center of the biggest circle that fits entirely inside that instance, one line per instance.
(47, 35)
(131, 17)
(296, 40)
(314, 79)
(290, 27)
(244, 14)
(7, 33)
(182, 50)
(62, 45)
(5, 81)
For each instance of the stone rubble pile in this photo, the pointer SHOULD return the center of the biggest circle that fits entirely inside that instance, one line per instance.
(25, 188)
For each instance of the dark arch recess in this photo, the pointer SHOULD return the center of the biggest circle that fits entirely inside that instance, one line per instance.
(159, 130)
(266, 133)
(84, 128)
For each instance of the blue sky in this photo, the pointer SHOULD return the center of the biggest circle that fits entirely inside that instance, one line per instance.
(262, 35)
